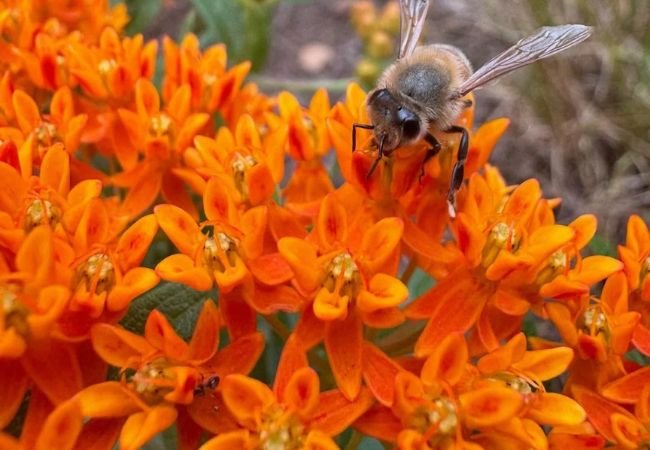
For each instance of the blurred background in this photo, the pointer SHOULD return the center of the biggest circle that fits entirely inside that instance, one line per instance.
(580, 121)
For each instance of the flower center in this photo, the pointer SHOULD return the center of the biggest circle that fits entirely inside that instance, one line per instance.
(210, 79)
(13, 312)
(520, 383)
(240, 165)
(436, 421)
(106, 65)
(45, 133)
(152, 381)
(594, 321)
(556, 265)
(281, 430)
(98, 274)
(160, 124)
(220, 252)
(41, 212)
(343, 276)
(501, 235)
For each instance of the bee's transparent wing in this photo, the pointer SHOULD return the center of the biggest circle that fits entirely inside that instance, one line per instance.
(545, 42)
(412, 15)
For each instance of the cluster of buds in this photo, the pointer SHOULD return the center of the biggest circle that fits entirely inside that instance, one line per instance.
(112, 186)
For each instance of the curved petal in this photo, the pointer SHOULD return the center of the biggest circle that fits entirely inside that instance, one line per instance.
(585, 229)
(292, 359)
(135, 242)
(317, 440)
(380, 243)
(108, 399)
(332, 224)
(246, 398)
(62, 427)
(599, 410)
(135, 282)
(549, 408)
(500, 359)
(159, 333)
(140, 427)
(117, 346)
(384, 291)
(489, 406)
(13, 385)
(302, 392)
(180, 268)
(628, 388)
(545, 364)
(596, 268)
(27, 113)
(205, 339)
(379, 372)
(447, 362)
(179, 226)
(343, 344)
(380, 423)
(301, 257)
(335, 412)
(234, 440)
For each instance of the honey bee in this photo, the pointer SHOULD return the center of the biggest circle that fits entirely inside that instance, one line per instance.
(426, 87)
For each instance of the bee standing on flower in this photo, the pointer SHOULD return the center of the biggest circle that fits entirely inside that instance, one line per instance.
(426, 87)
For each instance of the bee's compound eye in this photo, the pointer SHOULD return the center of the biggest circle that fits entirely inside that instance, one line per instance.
(410, 128)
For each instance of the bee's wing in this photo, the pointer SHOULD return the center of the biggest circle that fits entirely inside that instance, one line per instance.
(412, 15)
(546, 42)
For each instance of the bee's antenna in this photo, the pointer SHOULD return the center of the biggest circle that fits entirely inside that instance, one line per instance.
(380, 155)
(365, 126)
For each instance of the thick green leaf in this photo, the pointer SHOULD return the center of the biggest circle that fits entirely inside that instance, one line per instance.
(180, 304)
(142, 13)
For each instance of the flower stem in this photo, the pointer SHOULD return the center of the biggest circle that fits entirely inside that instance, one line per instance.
(354, 441)
(276, 325)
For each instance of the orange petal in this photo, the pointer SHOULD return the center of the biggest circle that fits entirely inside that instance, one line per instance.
(344, 344)
(310, 330)
(317, 440)
(13, 385)
(62, 427)
(117, 346)
(332, 224)
(246, 398)
(108, 399)
(380, 243)
(292, 359)
(447, 362)
(545, 364)
(271, 269)
(489, 406)
(562, 287)
(383, 291)
(210, 413)
(140, 427)
(146, 98)
(628, 388)
(641, 339)
(637, 236)
(36, 255)
(218, 202)
(27, 113)
(205, 339)
(135, 242)
(585, 229)
(501, 359)
(302, 392)
(335, 412)
(330, 306)
(159, 333)
(301, 257)
(596, 268)
(135, 282)
(561, 441)
(380, 423)
(55, 169)
(549, 408)
(234, 440)
(629, 432)
(94, 226)
(599, 410)
(379, 373)
(180, 268)
(483, 141)
(522, 200)
(99, 434)
(179, 226)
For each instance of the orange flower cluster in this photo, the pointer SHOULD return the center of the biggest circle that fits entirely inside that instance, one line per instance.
(113, 184)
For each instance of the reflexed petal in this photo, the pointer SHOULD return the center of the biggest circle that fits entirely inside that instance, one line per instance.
(489, 406)
(36, 254)
(637, 236)
(140, 427)
(310, 330)
(94, 226)
(545, 364)
(159, 333)
(13, 385)
(502, 358)
(599, 410)
(628, 388)
(179, 226)
(596, 268)
(55, 169)
(409, 393)
(180, 268)
(562, 441)
(555, 409)
(246, 398)
(383, 291)
(147, 99)
(628, 431)
(330, 306)
(344, 344)
(271, 269)
(641, 339)
(239, 356)
(447, 362)
(61, 428)
(585, 228)
(562, 287)
(99, 434)
(335, 412)
(217, 201)
(117, 346)
(522, 200)
(292, 359)
(135, 282)
(380, 423)
(379, 373)
(27, 113)
(302, 392)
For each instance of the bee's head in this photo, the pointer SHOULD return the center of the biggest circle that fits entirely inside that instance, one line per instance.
(393, 121)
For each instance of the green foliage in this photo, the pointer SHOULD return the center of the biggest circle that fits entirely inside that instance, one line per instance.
(180, 304)
(243, 25)
(601, 246)
(142, 12)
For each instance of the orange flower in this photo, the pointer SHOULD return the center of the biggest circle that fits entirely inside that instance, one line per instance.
(163, 135)
(160, 373)
(346, 267)
(299, 416)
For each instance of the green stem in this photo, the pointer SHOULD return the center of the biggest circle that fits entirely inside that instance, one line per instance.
(402, 345)
(275, 84)
(276, 325)
(408, 272)
(354, 441)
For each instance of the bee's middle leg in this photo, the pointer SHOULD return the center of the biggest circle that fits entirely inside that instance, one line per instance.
(431, 152)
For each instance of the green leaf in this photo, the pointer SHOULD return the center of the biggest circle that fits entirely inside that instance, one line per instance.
(419, 283)
(142, 13)
(180, 304)
(601, 246)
